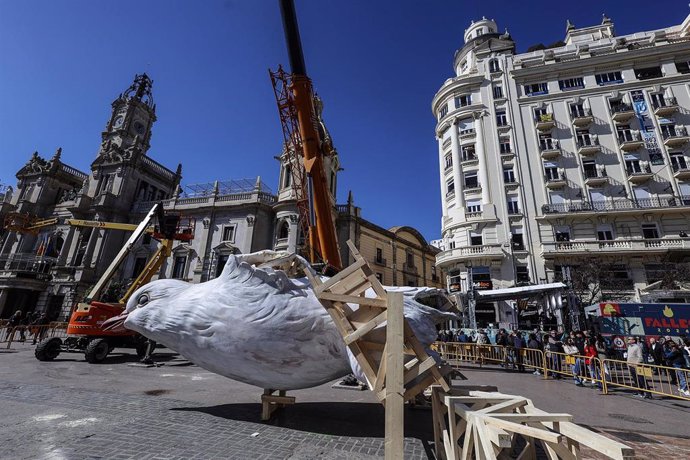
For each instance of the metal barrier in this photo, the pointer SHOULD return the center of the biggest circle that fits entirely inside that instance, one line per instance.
(607, 374)
(35, 332)
(647, 379)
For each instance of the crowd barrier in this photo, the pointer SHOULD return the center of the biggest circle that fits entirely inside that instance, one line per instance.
(32, 332)
(609, 375)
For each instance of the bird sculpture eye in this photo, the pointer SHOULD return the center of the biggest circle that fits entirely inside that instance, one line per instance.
(143, 299)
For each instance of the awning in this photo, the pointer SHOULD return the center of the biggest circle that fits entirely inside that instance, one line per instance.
(518, 292)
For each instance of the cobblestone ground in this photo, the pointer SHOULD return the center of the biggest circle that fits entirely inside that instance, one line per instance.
(68, 409)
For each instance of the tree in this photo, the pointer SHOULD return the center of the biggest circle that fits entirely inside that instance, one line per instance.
(593, 281)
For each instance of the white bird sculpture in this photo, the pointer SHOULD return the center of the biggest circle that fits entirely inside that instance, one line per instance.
(257, 326)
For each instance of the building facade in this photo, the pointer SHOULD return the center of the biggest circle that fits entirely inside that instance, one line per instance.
(563, 158)
(53, 269)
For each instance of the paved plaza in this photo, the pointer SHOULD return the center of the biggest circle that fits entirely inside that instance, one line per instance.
(68, 409)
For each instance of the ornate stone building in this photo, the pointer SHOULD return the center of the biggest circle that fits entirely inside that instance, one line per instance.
(52, 270)
(589, 138)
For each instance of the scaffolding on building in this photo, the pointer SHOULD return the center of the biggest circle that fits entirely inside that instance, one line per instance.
(225, 187)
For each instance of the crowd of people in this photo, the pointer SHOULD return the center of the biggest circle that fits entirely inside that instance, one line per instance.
(21, 324)
(581, 349)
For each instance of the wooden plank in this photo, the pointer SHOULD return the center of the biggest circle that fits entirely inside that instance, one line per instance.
(369, 301)
(525, 418)
(419, 369)
(437, 417)
(381, 373)
(329, 284)
(507, 406)
(530, 431)
(394, 379)
(366, 328)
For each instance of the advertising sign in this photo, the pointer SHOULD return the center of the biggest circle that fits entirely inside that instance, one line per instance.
(645, 319)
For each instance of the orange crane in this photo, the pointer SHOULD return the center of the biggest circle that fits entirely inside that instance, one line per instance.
(305, 148)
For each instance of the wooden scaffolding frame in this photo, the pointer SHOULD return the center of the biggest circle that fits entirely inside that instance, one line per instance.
(380, 349)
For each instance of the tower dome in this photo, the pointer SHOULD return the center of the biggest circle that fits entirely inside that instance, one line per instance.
(479, 28)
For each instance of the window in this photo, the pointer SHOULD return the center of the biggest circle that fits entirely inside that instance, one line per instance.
(471, 180)
(517, 240)
(494, 66)
(434, 275)
(379, 255)
(668, 130)
(139, 265)
(178, 267)
(562, 234)
(476, 238)
(650, 231)
(658, 100)
(220, 263)
(504, 146)
(541, 114)
(683, 67)
(513, 207)
(597, 198)
(498, 92)
(501, 119)
(379, 276)
(589, 168)
(410, 259)
(578, 110)
(462, 101)
(450, 187)
(648, 72)
(443, 112)
(551, 172)
(468, 153)
(632, 164)
(229, 233)
(508, 175)
(480, 32)
(474, 206)
(466, 126)
(449, 161)
(625, 134)
(571, 83)
(522, 274)
(535, 89)
(678, 162)
(546, 142)
(287, 178)
(605, 232)
(583, 138)
(608, 78)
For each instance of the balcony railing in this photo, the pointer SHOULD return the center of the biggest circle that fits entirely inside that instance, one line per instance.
(664, 102)
(616, 204)
(630, 245)
(492, 251)
(595, 174)
(27, 266)
(583, 113)
(640, 170)
(677, 131)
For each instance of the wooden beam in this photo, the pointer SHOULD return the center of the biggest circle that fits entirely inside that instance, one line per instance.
(395, 402)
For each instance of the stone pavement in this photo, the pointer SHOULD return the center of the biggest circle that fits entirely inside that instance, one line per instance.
(69, 409)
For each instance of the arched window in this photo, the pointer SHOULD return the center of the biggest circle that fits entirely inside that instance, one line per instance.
(287, 178)
(283, 230)
(494, 66)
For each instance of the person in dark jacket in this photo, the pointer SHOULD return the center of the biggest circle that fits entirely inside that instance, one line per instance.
(518, 345)
(552, 344)
(674, 357)
(462, 337)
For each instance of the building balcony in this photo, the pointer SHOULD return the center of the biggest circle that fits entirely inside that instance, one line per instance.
(639, 175)
(616, 204)
(549, 149)
(469, 160)
(467, 133)
(410, 269)
(582, 118)
(622, 112)
(465, 253)
(675, 137)
(545, 122)
(630, 140)
(554, 181)
(681, 171)
(588, 145)
(631, 246)
(665, 107)
(281, 244)
(594, 178)
(26, 266)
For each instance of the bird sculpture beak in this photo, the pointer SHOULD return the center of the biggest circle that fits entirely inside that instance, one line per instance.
(116, 323)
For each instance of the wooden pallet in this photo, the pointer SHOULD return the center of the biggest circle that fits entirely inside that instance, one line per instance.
(364, 334)
(471, 424)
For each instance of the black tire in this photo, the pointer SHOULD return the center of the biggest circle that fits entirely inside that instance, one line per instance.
(96, 351)
(48, 349)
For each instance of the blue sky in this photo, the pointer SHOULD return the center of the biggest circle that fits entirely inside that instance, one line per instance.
(376, 64)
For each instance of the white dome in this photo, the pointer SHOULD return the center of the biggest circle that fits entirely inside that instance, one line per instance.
(484, 26)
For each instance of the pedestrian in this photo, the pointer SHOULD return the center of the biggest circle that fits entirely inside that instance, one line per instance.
(14, 324)
(634, 360)
(666, 350)
(675, 359)
(592, 363)
(534, 344)
(572, 358)
(656, 351)
(482, 341)
(462, 337)
(553, 346)
(602, 354)
(518, 345)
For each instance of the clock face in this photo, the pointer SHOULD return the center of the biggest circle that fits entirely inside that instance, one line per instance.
(118, 121)
(139, 127)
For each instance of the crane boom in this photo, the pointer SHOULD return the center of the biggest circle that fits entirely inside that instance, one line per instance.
(321, 232)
